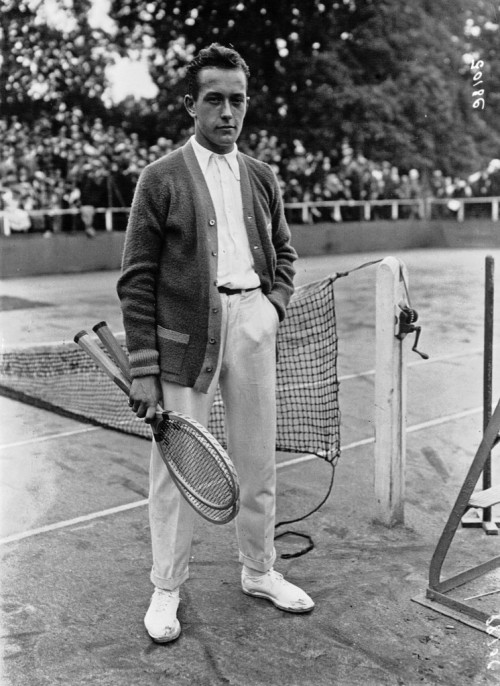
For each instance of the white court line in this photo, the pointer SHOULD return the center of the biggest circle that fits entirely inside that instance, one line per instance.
(442, 420)
(72, 522)
(50, 437)
(409, 429)
(281, 465)
(417, 363)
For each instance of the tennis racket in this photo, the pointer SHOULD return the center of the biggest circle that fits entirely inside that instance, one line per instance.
(199, 466)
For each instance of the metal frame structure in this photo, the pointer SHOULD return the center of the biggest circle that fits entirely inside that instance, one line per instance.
(436, 594)
(485, 518)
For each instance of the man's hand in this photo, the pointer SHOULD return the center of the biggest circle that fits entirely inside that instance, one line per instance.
(145, 394)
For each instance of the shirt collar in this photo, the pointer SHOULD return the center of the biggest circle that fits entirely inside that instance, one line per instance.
(203, 155)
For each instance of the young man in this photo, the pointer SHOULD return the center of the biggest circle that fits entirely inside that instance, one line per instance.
(207, 276)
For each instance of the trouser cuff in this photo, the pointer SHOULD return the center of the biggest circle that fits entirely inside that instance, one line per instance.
(168, 584)
(258, 565)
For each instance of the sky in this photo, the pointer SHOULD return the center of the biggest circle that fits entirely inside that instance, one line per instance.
(128, 76)
(99, 15)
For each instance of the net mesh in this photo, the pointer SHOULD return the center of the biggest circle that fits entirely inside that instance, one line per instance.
(63, 378)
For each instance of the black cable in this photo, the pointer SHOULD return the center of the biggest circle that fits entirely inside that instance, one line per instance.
(310, 546)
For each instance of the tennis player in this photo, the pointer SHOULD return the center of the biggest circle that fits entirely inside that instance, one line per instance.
(206, 279)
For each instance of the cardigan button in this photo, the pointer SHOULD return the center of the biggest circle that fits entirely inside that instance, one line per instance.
(209, 369)
(212, 341)
(212, 222)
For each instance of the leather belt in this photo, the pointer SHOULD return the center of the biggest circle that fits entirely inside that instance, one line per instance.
(235, 291)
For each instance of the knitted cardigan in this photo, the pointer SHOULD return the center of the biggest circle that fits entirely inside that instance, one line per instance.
(168, 285)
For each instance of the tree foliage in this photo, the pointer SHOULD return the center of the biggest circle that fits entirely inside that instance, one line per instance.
(389, 77)
(482, 43)
(50, 58)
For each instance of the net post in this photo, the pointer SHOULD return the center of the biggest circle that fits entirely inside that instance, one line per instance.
(489, 524)
(390, 394)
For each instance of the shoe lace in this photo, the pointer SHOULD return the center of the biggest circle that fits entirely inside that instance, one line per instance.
(163, 599)
(276, 576)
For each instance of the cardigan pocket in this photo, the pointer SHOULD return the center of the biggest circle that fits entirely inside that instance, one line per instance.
(173, 346)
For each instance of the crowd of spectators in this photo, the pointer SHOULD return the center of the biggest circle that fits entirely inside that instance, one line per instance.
(316, 177)
(69, 163)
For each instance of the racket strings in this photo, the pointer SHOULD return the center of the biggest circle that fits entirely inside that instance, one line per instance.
(216, 516)
(195, 461)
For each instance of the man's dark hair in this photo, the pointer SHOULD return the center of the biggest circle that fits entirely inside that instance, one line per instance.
(215, 55)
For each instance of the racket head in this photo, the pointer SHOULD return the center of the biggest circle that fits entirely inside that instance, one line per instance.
(207, 480)
(198, 463)
(210, 514)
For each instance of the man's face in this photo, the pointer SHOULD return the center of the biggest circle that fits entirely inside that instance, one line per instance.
(219, 109)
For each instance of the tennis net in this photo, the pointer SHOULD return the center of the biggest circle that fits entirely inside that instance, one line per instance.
(62, 378)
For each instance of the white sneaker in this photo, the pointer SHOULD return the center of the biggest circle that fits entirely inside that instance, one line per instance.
(281, 593)
(161, 618)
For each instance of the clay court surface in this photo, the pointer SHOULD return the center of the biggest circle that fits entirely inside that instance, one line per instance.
(75, 541)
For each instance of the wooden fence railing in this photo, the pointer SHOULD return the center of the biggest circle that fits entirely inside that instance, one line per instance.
(307, 212)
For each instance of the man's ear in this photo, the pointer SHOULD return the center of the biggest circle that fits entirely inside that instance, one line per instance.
(189, 105)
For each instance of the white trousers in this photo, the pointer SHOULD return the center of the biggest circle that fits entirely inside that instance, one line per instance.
(246, 372)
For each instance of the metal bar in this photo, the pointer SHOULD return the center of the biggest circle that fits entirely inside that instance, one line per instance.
(468, 575)
(473, 476)
(453, 613)
(458, 606)
(488, 367)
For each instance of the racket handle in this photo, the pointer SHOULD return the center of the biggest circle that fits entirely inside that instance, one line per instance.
(109, 341)
(113, 347)
(102, 360)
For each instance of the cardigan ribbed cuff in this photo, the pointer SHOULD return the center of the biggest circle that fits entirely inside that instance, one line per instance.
(144, 363)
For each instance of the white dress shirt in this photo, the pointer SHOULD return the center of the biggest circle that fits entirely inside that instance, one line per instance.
(222, 174)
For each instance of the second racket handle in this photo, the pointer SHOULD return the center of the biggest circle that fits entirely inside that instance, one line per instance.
(113, 347)
(102, 360)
